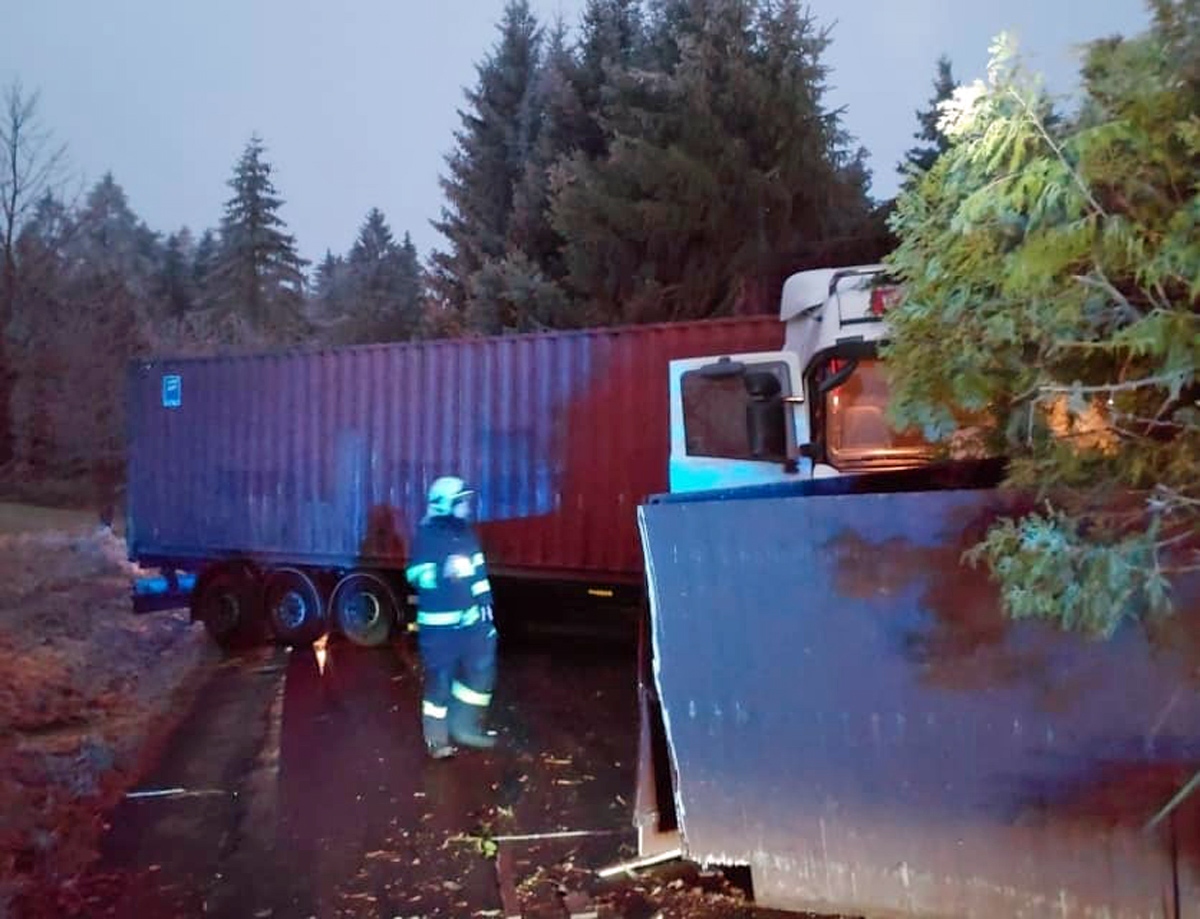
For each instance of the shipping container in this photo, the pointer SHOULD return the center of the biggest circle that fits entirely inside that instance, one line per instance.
(321, 459)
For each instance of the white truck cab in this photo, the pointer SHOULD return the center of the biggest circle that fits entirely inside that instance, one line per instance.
(814, 410)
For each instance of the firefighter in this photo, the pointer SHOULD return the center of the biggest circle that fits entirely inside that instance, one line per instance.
(455, 631)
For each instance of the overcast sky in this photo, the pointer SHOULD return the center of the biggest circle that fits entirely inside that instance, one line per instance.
(356, 100)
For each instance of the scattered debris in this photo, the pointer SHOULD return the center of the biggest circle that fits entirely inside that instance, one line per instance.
(639, 863)
(178, 793)
(560, 834)
(504, 878)
(579, 905)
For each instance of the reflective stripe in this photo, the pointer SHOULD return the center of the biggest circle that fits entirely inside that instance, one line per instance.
(481, 587)
(477, 559)
(451, 618)
(458, 567)
(423, 576)
(433, 711)
(468, 695)
(412, 572)
(471, 616)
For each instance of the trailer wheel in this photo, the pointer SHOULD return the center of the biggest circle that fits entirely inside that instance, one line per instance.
(294, 607)
(364, 608)
(228, 600)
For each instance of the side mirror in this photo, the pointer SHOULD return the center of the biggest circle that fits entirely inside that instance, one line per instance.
(766, 424)
(837, 379)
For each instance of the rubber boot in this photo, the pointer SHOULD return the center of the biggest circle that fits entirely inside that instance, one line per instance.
(437, 739)
(466, 726)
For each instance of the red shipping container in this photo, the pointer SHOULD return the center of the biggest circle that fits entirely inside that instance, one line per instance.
(323, 458)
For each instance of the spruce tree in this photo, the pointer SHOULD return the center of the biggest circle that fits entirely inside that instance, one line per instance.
(499, 130)
(404, 317)
(204, 265)
(329, 293)
(725, 172)
(612, 40)
(935, 143)
(259, 276)
(520, 290)
(176, 289)
(382, 284)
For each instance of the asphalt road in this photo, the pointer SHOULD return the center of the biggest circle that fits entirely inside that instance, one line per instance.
(297, 786)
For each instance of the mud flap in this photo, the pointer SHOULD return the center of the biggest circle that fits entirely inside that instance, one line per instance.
(169, 590)
(654, 803)
(849, 713)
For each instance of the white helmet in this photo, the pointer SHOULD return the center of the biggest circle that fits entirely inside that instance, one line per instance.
(444, 493)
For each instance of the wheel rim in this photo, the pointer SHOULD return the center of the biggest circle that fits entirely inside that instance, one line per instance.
(363, 610)
(291, 610)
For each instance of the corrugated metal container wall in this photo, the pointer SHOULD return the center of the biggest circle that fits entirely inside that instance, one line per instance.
(324, 457)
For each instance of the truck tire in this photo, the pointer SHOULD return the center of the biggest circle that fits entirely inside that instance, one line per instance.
(228, 600)
(364, 608)
(294, 607)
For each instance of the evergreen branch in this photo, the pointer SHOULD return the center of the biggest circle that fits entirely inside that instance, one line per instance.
(1058, 152)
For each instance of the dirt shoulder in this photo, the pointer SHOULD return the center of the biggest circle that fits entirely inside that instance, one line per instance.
(85, 687)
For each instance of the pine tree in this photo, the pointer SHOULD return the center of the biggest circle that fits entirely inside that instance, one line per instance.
(259, 277)
(374, 244)
(935, 142)
(329, 294)
(520, 290)
(375, 293)
(404, 318)
(204, 266)
(498, 134)
(383, 280)
(111, 241)
(176, 288)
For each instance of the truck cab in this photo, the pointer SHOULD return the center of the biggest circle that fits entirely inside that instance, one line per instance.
(814, 410)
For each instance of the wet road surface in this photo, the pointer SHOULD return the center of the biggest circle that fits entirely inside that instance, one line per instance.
(297, 786)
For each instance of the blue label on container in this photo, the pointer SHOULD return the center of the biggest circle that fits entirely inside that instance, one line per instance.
(172, 396)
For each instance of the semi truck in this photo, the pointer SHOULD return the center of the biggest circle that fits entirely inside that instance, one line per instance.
(281, 489)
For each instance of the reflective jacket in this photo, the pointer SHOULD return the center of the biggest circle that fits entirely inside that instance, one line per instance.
(447, 568)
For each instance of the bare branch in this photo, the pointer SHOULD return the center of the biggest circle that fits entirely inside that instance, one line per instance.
(32, 163)
(1162, 379)
(1103, 283)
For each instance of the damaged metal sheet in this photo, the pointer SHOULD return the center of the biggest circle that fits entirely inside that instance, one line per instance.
(849, 714)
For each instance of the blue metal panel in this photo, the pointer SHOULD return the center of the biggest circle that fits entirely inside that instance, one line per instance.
(850, 714)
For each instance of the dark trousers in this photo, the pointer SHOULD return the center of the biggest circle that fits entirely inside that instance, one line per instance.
(460, 672)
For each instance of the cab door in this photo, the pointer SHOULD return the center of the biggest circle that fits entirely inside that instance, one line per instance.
(736, 420)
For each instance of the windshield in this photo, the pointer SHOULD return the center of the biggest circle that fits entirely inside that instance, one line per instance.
(857, 429)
